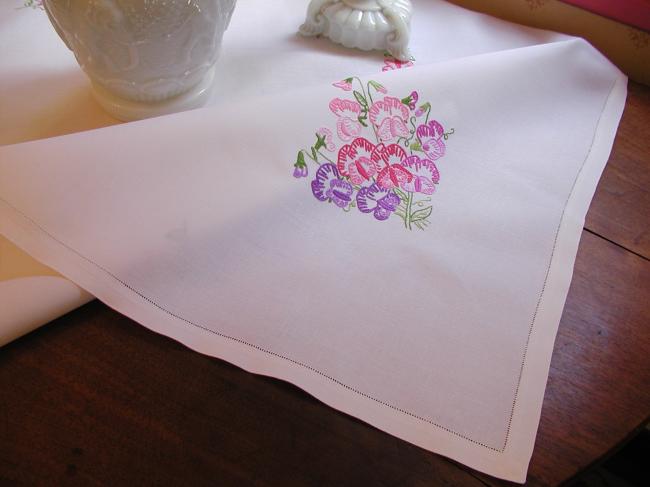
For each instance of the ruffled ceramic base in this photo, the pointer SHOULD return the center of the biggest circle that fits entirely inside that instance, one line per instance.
(128, 110)
(367, 25)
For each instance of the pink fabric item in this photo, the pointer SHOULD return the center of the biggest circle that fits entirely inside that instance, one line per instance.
(632, 12)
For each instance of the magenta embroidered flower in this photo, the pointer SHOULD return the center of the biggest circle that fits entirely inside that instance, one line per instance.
(392, 173)
(411, 100)
(327, 186)
(425, 175)
(392, 63)
(354, 161)
(325, 135)
(347, 123)
(345, 85)
(380, 202)
(431, 139)
(389, 116)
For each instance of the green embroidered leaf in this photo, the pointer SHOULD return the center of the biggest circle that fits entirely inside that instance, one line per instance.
(415, 146)
(407, 100)
(320, 141)
(313, 154)
(362, 121)
(300, 160)
(348, 80)
(360, 98)
(422, 214)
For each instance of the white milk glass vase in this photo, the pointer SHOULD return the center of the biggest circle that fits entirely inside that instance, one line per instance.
(144, 57)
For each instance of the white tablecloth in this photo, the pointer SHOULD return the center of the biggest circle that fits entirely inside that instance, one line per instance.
(194, 226)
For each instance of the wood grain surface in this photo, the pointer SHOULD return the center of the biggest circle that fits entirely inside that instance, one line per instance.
(95, 399)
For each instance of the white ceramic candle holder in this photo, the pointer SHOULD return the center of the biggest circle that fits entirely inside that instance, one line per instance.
(363, 24)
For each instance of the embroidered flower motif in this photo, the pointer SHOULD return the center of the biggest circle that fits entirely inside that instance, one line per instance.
(347, 123)
(431, 139)
(327, 186)
(378, 86)
(382, 166)
(345, 85)
(411, 100)
(326, 135)
(300, 172)
(354, 161)
(392, 63)
(389, 159)
(300, 167)
(380, 202)
(425, 175)
(389, 116)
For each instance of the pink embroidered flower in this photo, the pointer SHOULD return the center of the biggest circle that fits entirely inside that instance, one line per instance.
(345, 85)
(378, 86)
(347, 123)
(355, 161)
(389, 116)
(431, 139)
(392, 63)
(425, 175)
(389, 158)
(326, 135)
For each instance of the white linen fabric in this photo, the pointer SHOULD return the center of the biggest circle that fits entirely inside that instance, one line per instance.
(43, 93)
(193, 225)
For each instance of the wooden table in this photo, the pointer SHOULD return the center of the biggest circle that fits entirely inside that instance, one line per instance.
(94, 398)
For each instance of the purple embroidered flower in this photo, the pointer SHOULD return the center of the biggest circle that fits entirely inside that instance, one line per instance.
(380, 202)
(300, 167)
(327, 186)
(300, 172)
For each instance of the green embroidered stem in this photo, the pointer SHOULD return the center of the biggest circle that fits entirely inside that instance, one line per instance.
(407, 217)
(323, 155)
(364, 106)
(407, 142)
(311, 156)
(369, 94)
